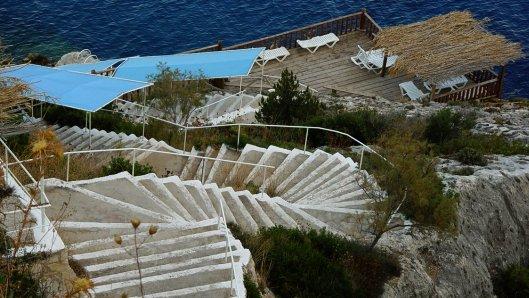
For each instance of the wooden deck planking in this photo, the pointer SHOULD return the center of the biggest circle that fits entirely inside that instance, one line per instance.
(332, 69)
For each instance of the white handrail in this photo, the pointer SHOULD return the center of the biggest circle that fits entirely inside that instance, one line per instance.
(222, 216)
(222, 99)
(307, 128)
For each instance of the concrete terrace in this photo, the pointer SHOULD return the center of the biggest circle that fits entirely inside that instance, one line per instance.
(329, 69)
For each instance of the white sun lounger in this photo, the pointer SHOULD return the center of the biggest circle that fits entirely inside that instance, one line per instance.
(452, 84)
(373, 59)
(313, 44)
(409, 89)
(278, 54)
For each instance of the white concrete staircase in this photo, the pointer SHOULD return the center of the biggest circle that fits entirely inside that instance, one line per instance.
(218, 108)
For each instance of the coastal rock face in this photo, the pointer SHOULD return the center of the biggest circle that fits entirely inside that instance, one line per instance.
(493, 232)
(510, 120)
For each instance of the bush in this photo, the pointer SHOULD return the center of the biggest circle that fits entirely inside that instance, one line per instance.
(317, 263)
(366, 125)
(252, 290)
(287, 104)
(512, 282)
(101, 120)
(486, 144)
(119, 164)
(446, 125)
(471, 156)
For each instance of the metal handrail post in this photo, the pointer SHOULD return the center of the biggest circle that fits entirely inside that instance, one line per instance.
(238, 137)
(185, 138)
(133, 161)
(306, 139)
(361, 159)
(68, 168)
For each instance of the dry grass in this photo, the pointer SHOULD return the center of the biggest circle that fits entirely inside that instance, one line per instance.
(446, 46)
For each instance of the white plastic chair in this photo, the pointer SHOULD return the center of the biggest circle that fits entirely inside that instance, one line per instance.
(313, 44)
(409, 89)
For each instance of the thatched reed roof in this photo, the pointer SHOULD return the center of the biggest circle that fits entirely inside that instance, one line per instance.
(446, 46)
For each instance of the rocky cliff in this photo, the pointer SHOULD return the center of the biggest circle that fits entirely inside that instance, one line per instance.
(493, 232)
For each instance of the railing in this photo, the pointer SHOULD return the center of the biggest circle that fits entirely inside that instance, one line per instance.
(222, 217)
(44, 233)
(214, 47)
(488, 86)
(239, 125)
(360, 21)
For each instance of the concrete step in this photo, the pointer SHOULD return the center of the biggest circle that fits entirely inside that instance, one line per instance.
(278, 216)
(308, 166)
(205, 165)
(215, 290)
(255, 210)
(153, 184)
(244, 218)
(273, 156)
(305, 183)
(180, 192)
(72, 203)
(239, 172)
(192, 165)
(220, 169)
(124, 189)
(287, 167)
(218, 201)
(199, 194)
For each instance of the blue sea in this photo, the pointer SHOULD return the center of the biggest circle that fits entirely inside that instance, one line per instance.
(119, 28)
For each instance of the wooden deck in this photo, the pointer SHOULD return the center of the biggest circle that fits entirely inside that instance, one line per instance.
(329, 69)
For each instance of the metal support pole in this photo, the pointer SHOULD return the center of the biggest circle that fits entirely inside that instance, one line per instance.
(144, 101)
(240, 85)
(185, 138)
(68, 168)
(361, 159)
(263, 184)
(238, 137)
(262, 75)
(41, 104)
(90, 131)
(32, 108)
(133, 161)
(306, 139)
(203, 168)
(6, 172)
(86, 120)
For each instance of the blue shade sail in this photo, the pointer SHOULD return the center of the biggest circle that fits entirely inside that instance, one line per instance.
(75, 90)
(211, 65)
(87, 68)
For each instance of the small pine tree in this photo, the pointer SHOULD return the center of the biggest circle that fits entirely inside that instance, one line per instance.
(287, 104)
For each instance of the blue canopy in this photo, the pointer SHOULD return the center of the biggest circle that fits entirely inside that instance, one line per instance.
(87, 68)
(76, 90)
(211, 65)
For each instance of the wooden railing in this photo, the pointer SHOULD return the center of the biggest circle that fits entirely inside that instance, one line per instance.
(485, 85)
(211, 48)
(360, 21)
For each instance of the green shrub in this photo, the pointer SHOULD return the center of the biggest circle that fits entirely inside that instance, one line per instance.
(120, 164)
(512, 282)
(464, 171)
(252, 290)
(471, 156)
(366, 125)
(104, 120)
(446, 125)
(486, 144)
(287, 104)
(317, 263)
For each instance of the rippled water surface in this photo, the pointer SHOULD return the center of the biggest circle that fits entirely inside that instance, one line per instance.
(118, 28)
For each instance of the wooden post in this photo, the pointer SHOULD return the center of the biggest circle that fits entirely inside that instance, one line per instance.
(501, 77)
(432, 92)
(219, 45)
(384, 63)
(363, 19)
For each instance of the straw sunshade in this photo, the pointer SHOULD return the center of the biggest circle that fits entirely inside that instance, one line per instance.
(446, 46)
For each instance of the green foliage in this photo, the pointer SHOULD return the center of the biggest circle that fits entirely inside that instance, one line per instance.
(446, 125)
(414, 176)
(464, 171)
(366, 125)
(315, 264)
(120, 164)
(101, 120)
(18, 143)
(471, 156)
(177, 93)
(486, 144)
(512, 282)
(39, 59)
(252, 290)
(287, 104)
